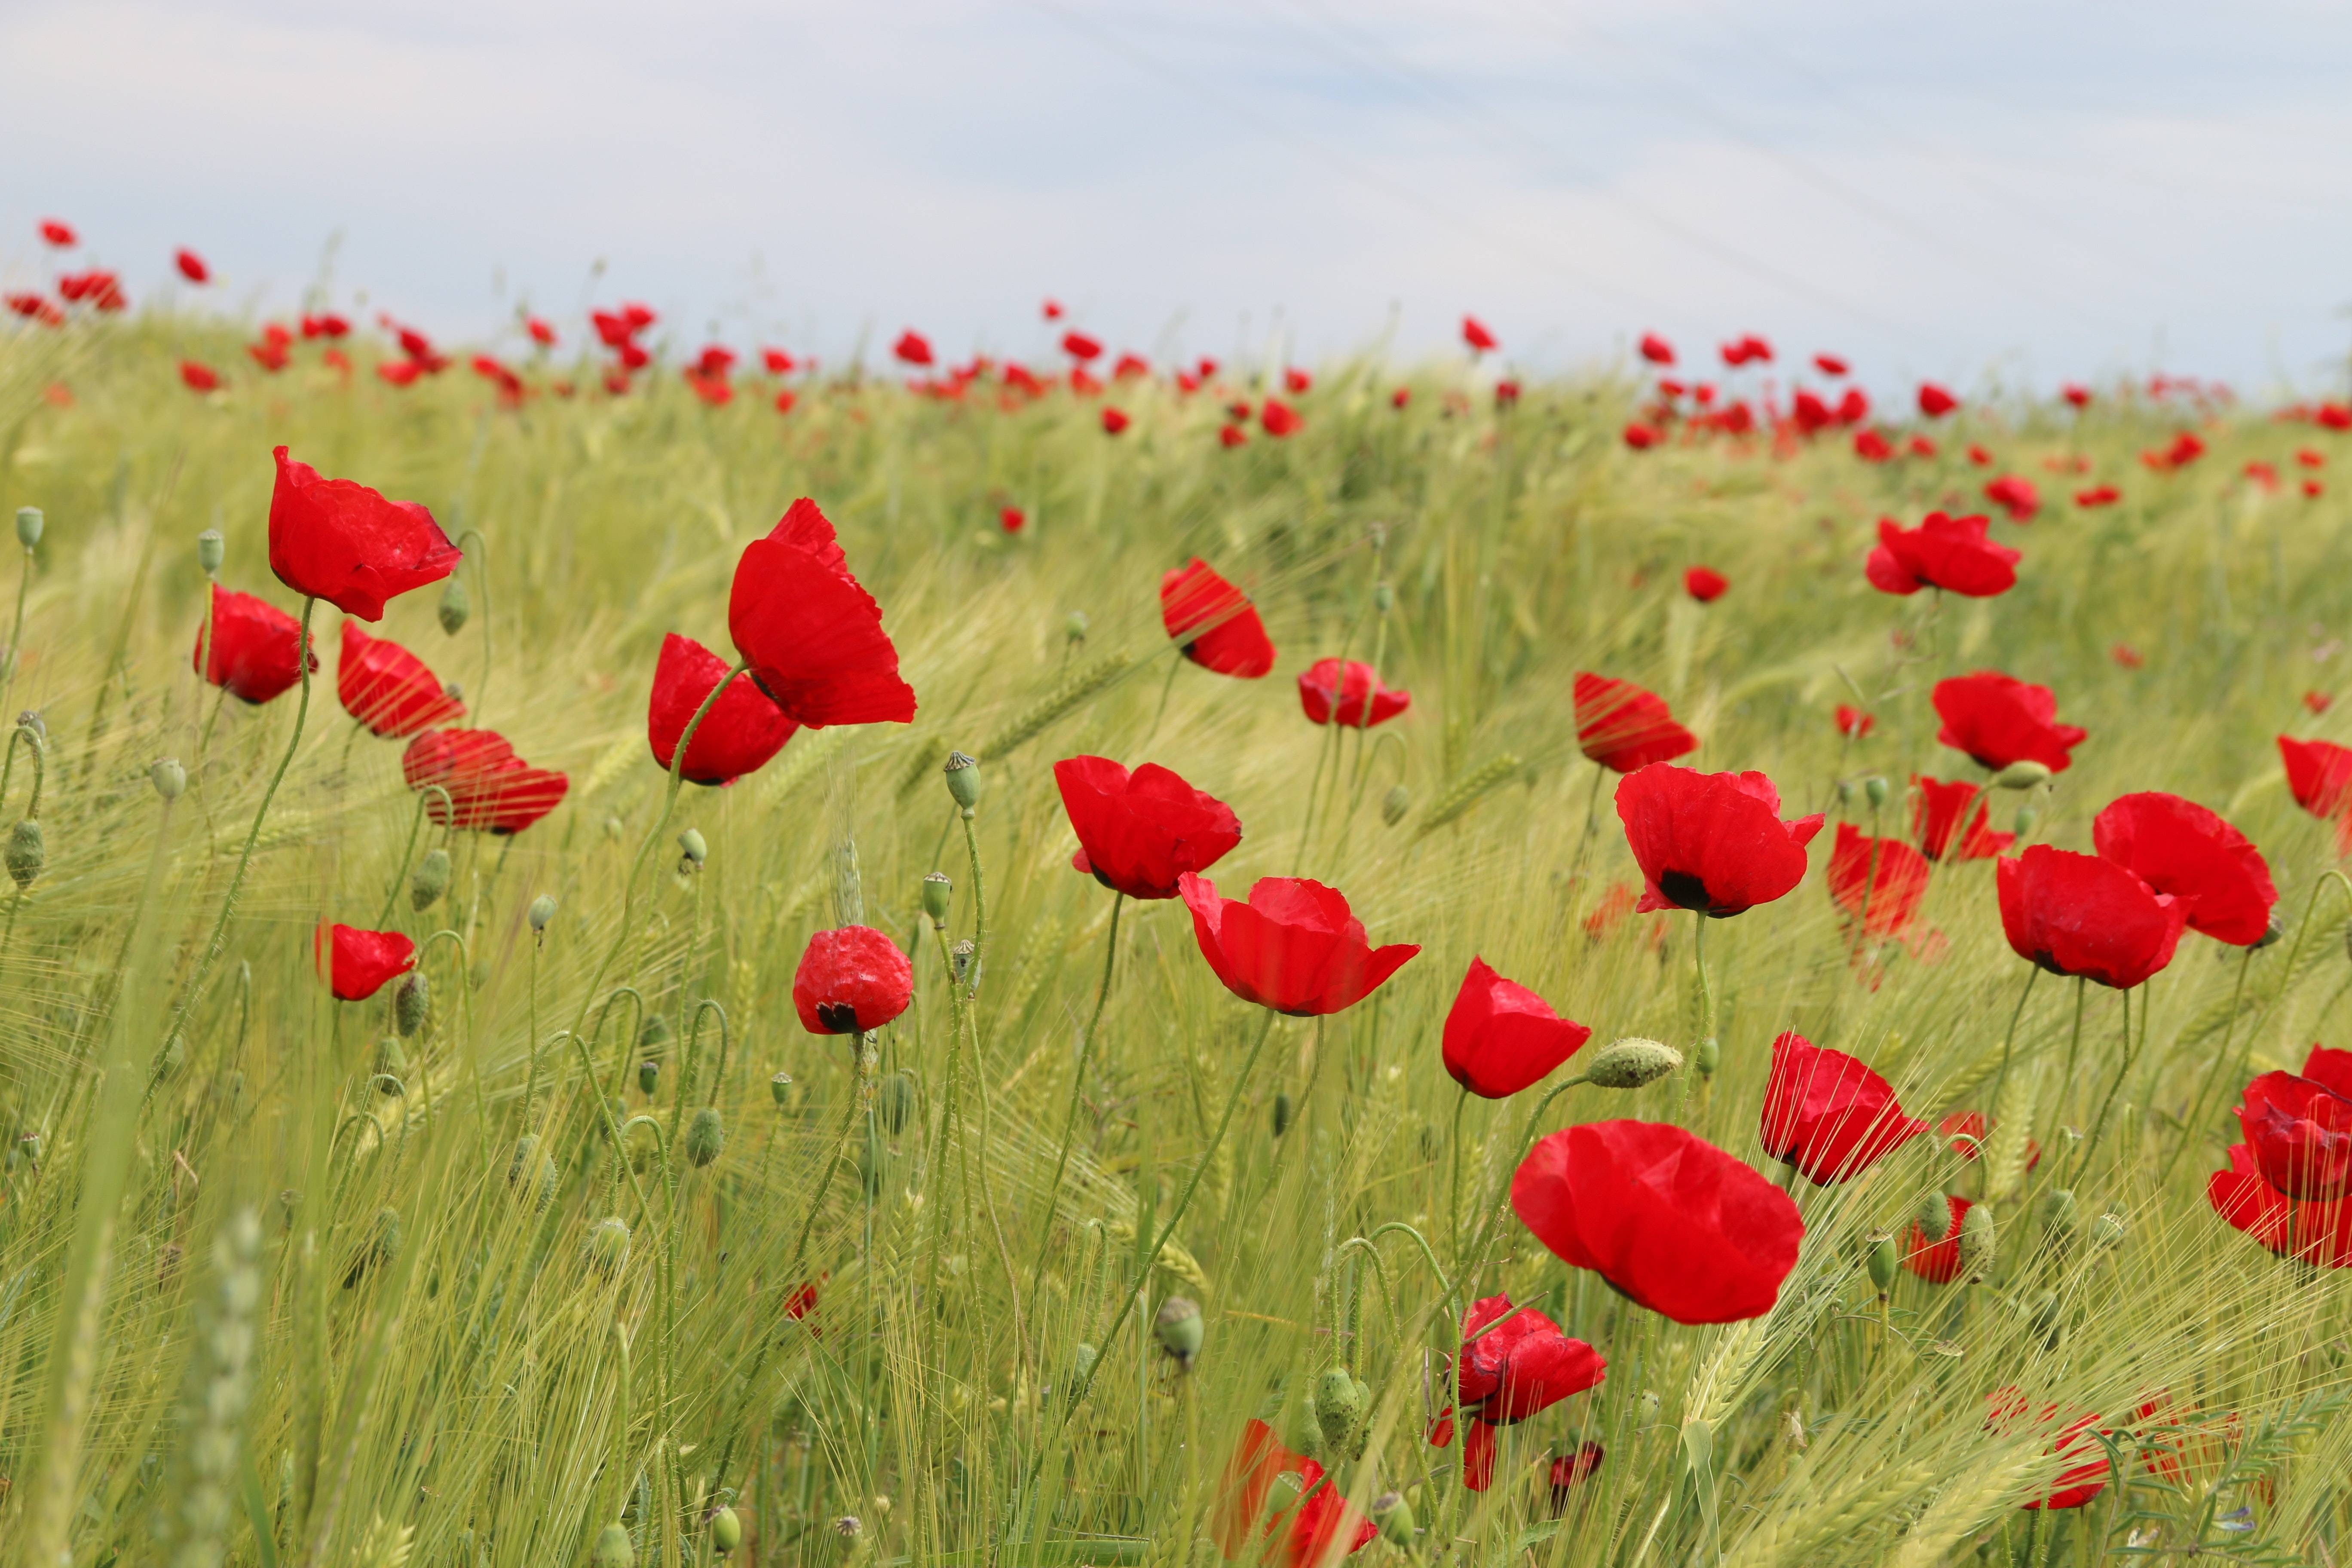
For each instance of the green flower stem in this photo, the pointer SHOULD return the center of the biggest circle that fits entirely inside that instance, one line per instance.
(1077, 1086)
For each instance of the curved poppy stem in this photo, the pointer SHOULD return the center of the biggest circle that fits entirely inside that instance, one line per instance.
(1166, 686)
(2099, 1125)
(1453, 1179)
(481, 564)
(1428, 1253)
(1078, 1088)
(2008, 1041)
(16, 632)
(2197, 1108)
(416, 829)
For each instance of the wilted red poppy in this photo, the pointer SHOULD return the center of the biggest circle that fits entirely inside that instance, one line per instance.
(1279, 418)
(491, 789)
(1827, 1113)
(1624, 728)
(742, 730)
(2319, 777)
(1295, 946)
(58, 233)
(1656, 350)
(2300, 1131)
(1216, 622)
(1939, 809)
(810, 633)
(1704, 583)
(1935, 402)
(1671, 1221)
(355, 963)
(1947, 552)
(851, 981)
(1500, 1037)
(1354, 698)
(389, 689)
(912, 348)
(1114, 421)
(1999, 720)
(1475, 333)
(1878, 881)
(1711, 842)
(253, 648)
(2177, 846)
(191, 265)
(1139, 832)
(339, 541)
(198, 376)
(1852, 722)
(1937, 1259)
(2078, 914)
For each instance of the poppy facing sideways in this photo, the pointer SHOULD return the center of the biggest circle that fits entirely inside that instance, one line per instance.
(2078, 914)
(1828, 1114)
(339, 541)
(1294, 946)
(1999, 720)
(356, 963)
(1624, 728)
(389, 689)
(1947, 552)
(810, 633)
(1139, 832)
(1352, 697)
(490, 789)
(1215, 621)
(1501, 1038)
(742, 732)
(2177, 846)
(252, 652)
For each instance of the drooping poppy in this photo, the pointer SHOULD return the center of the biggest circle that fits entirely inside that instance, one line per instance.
(1935, 402)
(491, 789)
(2317, 1233)
(1711, 842)
(850, 981)
(2319, 777)
(2177, 846)
(2078, 914)
(1669, 1220)
(339, 541)
(1704, 583)
(1294, 946)
(1624, 728)
(1354, 698)
(741, 733)
(1216, 622)
(1501, 1038)
(1999, 720)
(1139, 832)
(255, 648)
(356, 964)
(1947, 552)
(1475, 333)
(1938, 810)
(1521, 1367)
(2300, 1131)
(1828, 1114)
(1937, 1259)
(809, 632)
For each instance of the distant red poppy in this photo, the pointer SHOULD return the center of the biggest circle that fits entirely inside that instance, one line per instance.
(2127, 657)
(1878, 881)
(2177, 846)
(1624, 728)
(329, 326)
(58, 233)
(1475, 333)
(253, 648)
(191, 265)
(1507, 395)
(1232, 435)
(2318, 702)
(1399, 397)
(356, 964)
(2078, 914)
(1829, 364)
(1852, 722)
(802, 1300)
(785, 398)
(2313, 490)
(1711, 842)
(1935, 402)
(1354, 697)
(1853, 409)
(1937, 1259)
(1294, 946)
(1139, 832)
(1081, 347)
(389, 689)
(1827, 1113)
(2098, 496)
(1656, 350)
(2319, 777)
(809, 632)
(1671, 1221)
(912, 348)
(2300, 1131)
(1296, 381)
(2186, 449)
(2079, 396)
(741, 733)
(2317, 1233)
(1279, 418)
(1501, 1038)
(339, 541)
(396, 373)
(1704, 583)
(1871, 446)
(1641, 437)
(1943, 551)
(1979, 456)
(1941, 824)
(1567, 1470)
(1114, 420)
(1999, 720)
(2016, 496)
(1216, 622)
(851, 981)
(2088, 1465)
(491, 789)
(199, 378)
(1966, 1131)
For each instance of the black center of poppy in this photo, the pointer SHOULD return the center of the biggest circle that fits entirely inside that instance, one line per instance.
(1686, 889)
(838, 1017)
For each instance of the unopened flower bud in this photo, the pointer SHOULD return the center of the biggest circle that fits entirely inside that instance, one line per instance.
(1707, 1055)
(542, 910)
(1883, 1260)
(780, 1088)
(429, 880)
(893, 1101)
(30, 524)
(412, 1003)
(1845, 791)
(211, 550)
(963, 779)
(170, 779)
(938, 893)
(725, 1530)
(1384, 597)
(1395, 803)
(1340, 1405)
(1075, 628)
(706, 1136)
(1631, 1062)
(27, 852)
(1392, 1516)
(607, 1247)
(2107, 1230)
(1978, 1246)
(1179, 1328)
(612, 1548)
(2022, 823)
(2022, 774)
(1874, 789)
(457, 605)
(692, 849)
(2058, 1215)
(1281, 1112)
(648, 1077)
(1933, 1216)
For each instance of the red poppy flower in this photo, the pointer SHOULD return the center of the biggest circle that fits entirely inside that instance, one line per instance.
(1671, 1221)
(199, 378)
(1656, 350)
(1114, 420)
(1567, 1470)
(1521, 1368)
(2078, 395)
(1232, 435)
(2301, 1133)
(742, 730)
(1828, 1114)
(1704, 583)
(2098, 496)
(58, 233)
(1139, 832)
(1936, 1259)
(2015, 496)
(1354, 698)
(1248, 1479)
(1878, 881)
(1939, 807)
(2087, 1466)
(1314, 1524)
(398, 372)
(339, 541)
(1399, 397)
(812, 634)
(1711, 842)
(1624, 728)
(356, 964)
(2317, 1233)
(1079, 346)
(1998, 720)
(912, 348)
(1279, 418)
(2318, 702)
(1935, 402)
(1641, 437)
(2177, 846)
(1947, 552)
(1500, 1037)
(1216, 622)
(1294, 947)
(1475, 333)
(1852, 722)
(388, 689)
(191, 265)
(1966, 1133)
(491, 789)
(253, 648)
(1871, 446)
(851, 981)
(1829, 364)
(2318, 774)
(2078, 914)
(802, 1299)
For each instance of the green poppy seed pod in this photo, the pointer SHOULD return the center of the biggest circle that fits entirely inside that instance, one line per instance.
(653, 1034)
(692, 848)
(1845, 791)
(1873, 789)
(170, 779)
(29, 1146)
(1631, 1062)
(1395, 803)
(30, 524)
(1339, 1408)
(607, 1247)
(893, 1101)
(2107, 1230)
(387, 1234)
(2060, 1216)
(1082, 1371)
(780, 1089)
(1933, 1216)
(706, 1136)
(959, 957)
(1075, 628)
(389, 1058)
(1283, 1495)
(429, 880)
(2023, 775)
(648, 1077)
(412, 1003)
(27, 852)
(938, 893)
(542, 910)
(1978, 1244)
(725, 1530)
(1392, 1516)
(1384, 597)
(1707, 1057)
(1281, 1112)
(457, 605)
(211, 550)
(612, 1548)
(1179, 1328)
(1883, 1260)
(963, 779)
(2022, 823)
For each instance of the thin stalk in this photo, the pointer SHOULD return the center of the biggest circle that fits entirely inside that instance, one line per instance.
(415, 827)
(2099, 1123)
(17, 631)
(2212, 1077)
(2008, 1041)
(1078, 1087)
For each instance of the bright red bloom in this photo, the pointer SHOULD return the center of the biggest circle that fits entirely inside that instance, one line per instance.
(1641, 437)
(1249, 1477)
(1871, 446)
(2319, 775)
(1012, 518)
(1501, 1038)
(1279, 418)
(1079, 346)
(1947, 552)
(355, 963)
(1828, 1114)
(2078, 914)
(329, 326)
(1216, 622)
(199, 378)
(1998, 720)
(2098, 496)
(1295, 946)
(1311, 1530)
(2080, 396)
(254, 650)
(1232, 435)
(2186, 449)
(1656, 350)
(1878, 881)
(1523, 1367)
(1939, 809)
(851, 981)
(1919, 447)
(191, 265)
(539, 331)
(1624, 728)
(2016, 496)
(1936, 1259)
(388, 689)
(397, 372)
(2177, 846)
(58, 233)
(1854, 408)
(1114, 420)
(339, 541)
(1829, 364)
(1935, 402)
(2088, 1465)
(810, 633)
(1399, 397)
(490, 789)
(2318, 1233)
(912, 348)
(1567, 1470)
(1139, 832)
(1669, 1219)
(1711, 842)
(741, 733)
(1354, 698)
(1704, 583)
(1475, 333)
(1852, 722)
(2300, 1131)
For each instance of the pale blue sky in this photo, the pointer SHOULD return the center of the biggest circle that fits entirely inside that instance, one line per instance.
(2025, 191)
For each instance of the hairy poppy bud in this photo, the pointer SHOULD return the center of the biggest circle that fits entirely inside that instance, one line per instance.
(648, 1077)
(542, 910)
(1882, 1261)
(2022, 774)
(429, 880)
(1978, 1247)
(456, 607)
(2059, 1215)
(1874, 789)
(170, 779)
(963, 779)
(412, 1003)
(1933, 1216)
(27, 853)
(1281, 1112)
(1707, 1057)
(1082, 1371)
(706, 1136)
(938, 893)
(725, 1530)
(1075, 628)
(1395, 803)
(780, 1088)
(612, 1548)
(2107, 1230)
(607, 1248)
(1392, 1515)
(1178, 1330)
(211, 550)
(391, 1061)
(2022, 823)
(895, 1101)
(1631, 1062)
(30, 524)
(692, 849)
(1340, 1402)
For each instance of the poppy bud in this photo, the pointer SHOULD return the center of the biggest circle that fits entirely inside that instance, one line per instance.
(1179, 1328)
(411, 1004)
(391, 1061)
(27, 853)
(1845, 791)
(1883, 1262)
(938, 891)
(1392, 1514)
(1631, 1062)
(1933, 1216)
(607, 1248)
(1395, 803)
(1082, 1371)
(211, 550)
(653, 1034)
(725, 1530)
(895, 1101)
(2022, 774)
(2107, 1230)
(542, 910)
(2022, 823)
(1384, 597)
(1075, 628)
(1978, 1247)
(456, 606)
(31, 720)
(1874, 788)
(1340, 1404)
(170, 779)
(706, 1137)
(960, 958)
(30, 524)
(692, 849)
(612, 1548)
(2059, 1215)
(963, 779)
(1281, 1112)
(1707, 1055)
(429, 880)
(780, 1088)
(648, 1077)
